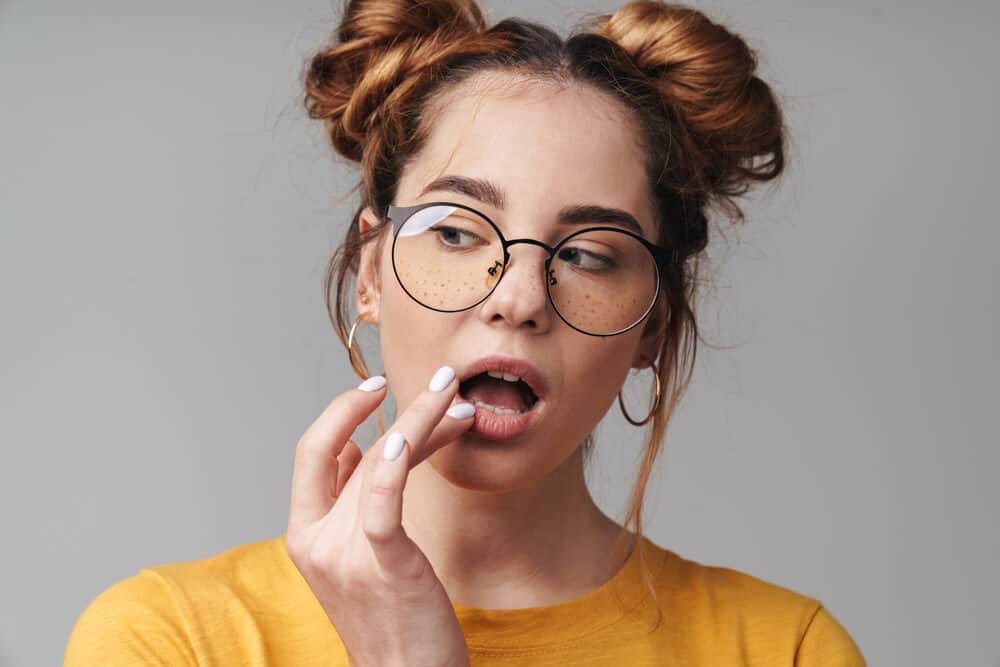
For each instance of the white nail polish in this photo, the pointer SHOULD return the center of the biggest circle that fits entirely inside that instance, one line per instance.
(442, 378)
(393, 446)
(373, 383)
(461, 411)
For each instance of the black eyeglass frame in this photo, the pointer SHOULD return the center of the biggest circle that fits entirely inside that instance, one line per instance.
(397, 215)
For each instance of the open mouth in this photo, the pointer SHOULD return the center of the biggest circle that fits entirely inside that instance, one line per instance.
(499, 393)
(509, 395)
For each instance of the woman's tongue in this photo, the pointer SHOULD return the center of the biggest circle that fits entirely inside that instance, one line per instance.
(499, 393)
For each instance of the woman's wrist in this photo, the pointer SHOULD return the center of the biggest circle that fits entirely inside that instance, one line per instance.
(459, 661)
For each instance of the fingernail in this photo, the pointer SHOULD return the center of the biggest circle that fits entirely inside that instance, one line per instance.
(373, 383)
(393, 446)
(461, 411)
(442, 378)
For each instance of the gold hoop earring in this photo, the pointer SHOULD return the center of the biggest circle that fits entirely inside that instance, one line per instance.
(363, 369)
(656, 402)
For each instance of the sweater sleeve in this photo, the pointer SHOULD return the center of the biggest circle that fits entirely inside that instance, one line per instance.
(826, 643)
(135, 621)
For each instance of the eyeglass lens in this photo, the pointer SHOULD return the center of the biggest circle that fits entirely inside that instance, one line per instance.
(449, 258)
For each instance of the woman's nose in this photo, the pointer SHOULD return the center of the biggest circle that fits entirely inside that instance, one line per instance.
(520, 298)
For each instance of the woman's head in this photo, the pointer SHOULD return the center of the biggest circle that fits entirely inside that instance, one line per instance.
(654, 111)
(520, 136)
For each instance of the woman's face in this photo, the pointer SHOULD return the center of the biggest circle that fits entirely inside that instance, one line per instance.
(544, 148)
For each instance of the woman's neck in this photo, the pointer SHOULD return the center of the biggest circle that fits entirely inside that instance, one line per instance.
(533, 547)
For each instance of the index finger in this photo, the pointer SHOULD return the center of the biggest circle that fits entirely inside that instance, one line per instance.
(314, 473)
(426, 413)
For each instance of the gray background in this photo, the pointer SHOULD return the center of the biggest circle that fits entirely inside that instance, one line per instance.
(167, 212)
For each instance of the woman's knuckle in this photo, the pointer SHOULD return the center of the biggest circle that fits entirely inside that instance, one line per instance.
(423, 409)
(320, 560)
(306, 445)
(294, 546)
(413, 568)
(382, 489)
(377, 534)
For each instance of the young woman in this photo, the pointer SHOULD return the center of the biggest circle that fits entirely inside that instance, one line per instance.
(532, 214)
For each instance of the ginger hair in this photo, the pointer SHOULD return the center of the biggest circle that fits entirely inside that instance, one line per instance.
(709, 125)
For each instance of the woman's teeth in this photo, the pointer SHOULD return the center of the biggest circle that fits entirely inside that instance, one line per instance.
(509, 377)
(496, 410)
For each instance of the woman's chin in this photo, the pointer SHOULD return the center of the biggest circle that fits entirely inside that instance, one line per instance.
(479, 464)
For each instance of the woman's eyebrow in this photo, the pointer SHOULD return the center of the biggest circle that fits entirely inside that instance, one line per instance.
(491, 194)
(600, 215)
(477, 188)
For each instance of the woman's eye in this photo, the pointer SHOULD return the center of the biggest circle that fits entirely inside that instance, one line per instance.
(452, 236)
(586, 260)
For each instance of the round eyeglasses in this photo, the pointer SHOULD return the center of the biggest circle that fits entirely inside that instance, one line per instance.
(600, 280)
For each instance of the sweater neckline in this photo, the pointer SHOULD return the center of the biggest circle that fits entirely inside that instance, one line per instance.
(531, 628)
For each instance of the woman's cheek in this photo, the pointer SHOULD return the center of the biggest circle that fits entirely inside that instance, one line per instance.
(600, 383)
(398, 341)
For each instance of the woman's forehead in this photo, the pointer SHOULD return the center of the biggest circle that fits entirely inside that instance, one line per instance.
(542, 144)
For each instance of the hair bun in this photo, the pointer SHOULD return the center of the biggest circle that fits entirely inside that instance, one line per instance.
(707, 75)
(380, 43)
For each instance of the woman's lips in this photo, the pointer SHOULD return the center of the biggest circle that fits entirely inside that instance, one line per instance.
(507, 364)
(491, 426)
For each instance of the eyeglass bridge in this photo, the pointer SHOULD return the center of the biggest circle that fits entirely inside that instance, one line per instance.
(497, 264)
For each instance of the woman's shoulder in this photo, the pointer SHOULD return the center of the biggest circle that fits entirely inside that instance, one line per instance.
(717, 600)
(730, 588)
(166, 612)
(244, 567)
(253, 569)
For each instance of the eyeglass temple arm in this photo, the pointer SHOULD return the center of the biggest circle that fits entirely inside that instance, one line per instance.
(397, 214)
(665, 256)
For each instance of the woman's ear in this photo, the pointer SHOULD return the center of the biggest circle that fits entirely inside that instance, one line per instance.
(653, 332)
(368, 291)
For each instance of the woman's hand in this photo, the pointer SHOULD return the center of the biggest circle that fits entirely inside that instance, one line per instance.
(345, 532)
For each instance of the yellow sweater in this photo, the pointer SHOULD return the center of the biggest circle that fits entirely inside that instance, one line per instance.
(250, 606)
